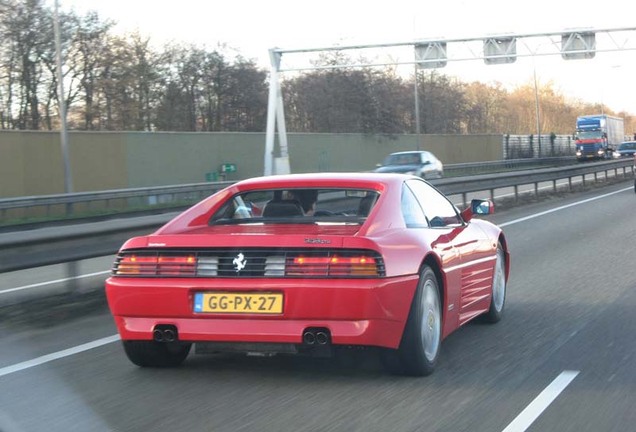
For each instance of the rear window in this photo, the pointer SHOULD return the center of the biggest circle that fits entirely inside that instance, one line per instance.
(295, 205)
(403, 159)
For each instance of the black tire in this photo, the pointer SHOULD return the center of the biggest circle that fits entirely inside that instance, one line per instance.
(420, 345)
(155, 354)
(498, 290)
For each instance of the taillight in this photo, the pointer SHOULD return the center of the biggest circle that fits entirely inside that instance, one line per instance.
(153, 265)
(363, 266)
(176, 265)
(332, 266)
(250, 263)
(136, 265)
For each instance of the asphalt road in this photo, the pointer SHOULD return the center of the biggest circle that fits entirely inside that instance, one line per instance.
(561, 359)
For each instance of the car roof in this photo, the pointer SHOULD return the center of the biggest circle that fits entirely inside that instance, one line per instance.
(410, 152)
(374, 181)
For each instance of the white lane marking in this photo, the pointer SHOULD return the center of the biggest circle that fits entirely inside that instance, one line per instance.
(536, 215)
(541, 402)
(57, 355)
(24, 287)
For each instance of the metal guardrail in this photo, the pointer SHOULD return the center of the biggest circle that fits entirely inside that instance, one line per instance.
(492, 182)
(35, 248)
(195, 191)
(190, 193)
(506, 165)
(27, 249)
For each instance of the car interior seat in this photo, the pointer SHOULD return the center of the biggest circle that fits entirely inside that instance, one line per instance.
(282, 208)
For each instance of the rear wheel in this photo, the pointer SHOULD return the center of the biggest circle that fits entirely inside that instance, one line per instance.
(420, 345)
(498, 297)
(155, 354)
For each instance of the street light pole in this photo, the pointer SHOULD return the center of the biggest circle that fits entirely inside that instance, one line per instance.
(68, 181)
(417, 108)
(536, 102)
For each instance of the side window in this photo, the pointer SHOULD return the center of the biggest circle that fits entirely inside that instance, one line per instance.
(411, 211)
(439, 211)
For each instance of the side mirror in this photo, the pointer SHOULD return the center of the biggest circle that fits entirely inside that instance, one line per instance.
(478, 207)
(482, 207)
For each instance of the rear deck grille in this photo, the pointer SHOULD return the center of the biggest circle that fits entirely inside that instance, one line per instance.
(249, 263)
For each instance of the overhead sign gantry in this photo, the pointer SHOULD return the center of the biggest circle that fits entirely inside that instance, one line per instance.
(436, 53)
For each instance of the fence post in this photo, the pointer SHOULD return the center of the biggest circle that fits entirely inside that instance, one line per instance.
(552, 139)
(506, 146)
(531, 146)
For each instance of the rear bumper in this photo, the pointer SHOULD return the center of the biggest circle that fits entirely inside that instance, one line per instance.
(383, 333)
(356, 311)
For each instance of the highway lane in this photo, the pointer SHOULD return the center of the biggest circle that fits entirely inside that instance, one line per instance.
(570, 307)
(74, 277)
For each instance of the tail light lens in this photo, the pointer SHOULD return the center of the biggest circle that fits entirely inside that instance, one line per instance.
(136, 265)
(332, 266)
(153, 265)
(176, 265)
(256, 263)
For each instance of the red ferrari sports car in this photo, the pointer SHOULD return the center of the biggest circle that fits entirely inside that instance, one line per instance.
(304, 264)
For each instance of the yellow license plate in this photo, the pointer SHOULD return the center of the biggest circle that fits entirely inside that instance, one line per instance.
(254, 303)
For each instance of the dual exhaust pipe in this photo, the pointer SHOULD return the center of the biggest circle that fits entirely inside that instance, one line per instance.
(165, 333)
(316, 336)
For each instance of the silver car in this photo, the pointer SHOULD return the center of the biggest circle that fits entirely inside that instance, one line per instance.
(625, 149)
(420, 163)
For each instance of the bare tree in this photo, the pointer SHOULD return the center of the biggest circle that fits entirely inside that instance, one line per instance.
(69, 23)
(486, 108)
(177, 108)
(442, 103)
(329, 101)
(122, 83)
(27, 30)
(243, 98)
(117, 102)
(88, 45)
(205, 92)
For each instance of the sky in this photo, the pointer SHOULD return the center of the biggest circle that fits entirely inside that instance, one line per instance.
(252, 27)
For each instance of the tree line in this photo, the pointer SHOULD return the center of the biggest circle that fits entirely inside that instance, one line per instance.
(121, 82)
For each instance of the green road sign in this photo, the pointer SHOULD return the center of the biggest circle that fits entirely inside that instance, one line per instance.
(228, 168)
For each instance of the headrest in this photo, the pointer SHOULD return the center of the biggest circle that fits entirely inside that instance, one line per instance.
(282, 208)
